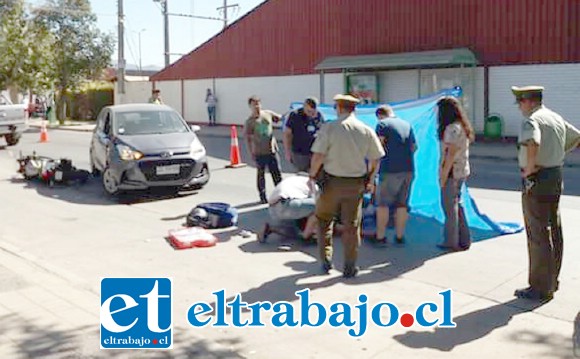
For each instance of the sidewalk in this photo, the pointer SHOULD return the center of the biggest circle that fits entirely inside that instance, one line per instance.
(80, 126)
(505, 150)
(49, 312)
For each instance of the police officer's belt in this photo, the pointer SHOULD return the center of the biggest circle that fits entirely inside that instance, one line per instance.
(346, 178)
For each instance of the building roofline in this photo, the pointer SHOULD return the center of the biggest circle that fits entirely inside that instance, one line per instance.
(208, 41)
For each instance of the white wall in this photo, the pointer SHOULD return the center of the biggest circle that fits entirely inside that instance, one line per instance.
(333, 85)
(562, 94)
(396, 86)
(401, 85)
(135, 92)
(195, 109)
(276, 92)
(170, 93)
(479, 117)
(471, 81)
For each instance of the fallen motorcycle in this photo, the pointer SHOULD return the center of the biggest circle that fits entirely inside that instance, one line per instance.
(51, 171)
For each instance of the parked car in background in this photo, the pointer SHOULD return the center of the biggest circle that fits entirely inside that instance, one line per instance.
(13, 120)
(140, 146)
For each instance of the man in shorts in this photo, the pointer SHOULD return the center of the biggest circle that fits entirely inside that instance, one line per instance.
(395, 173)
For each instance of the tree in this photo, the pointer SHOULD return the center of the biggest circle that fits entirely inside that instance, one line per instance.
(25, 48)
(81, 50)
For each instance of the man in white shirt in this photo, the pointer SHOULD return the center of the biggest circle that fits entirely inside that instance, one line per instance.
(291, 201)
(211, 102)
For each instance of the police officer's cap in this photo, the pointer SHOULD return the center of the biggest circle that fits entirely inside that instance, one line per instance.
(526, 92)
(346, 98)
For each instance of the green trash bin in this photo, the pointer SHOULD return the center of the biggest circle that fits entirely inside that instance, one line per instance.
(493, 128)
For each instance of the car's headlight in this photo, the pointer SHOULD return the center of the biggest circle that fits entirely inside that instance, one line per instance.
(197, 149)
(126, 153)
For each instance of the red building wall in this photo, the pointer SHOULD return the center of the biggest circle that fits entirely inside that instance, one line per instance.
(285, 37)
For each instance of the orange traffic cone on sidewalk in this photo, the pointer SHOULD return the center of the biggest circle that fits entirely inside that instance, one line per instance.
(235, 157)
(43, 132)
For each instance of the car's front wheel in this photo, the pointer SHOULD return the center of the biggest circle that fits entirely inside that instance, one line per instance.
(109, 181)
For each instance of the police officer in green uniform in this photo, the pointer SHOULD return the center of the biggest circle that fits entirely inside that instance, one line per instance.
(342, 149)
(544, 139)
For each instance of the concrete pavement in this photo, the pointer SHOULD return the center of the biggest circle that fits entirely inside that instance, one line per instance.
(49, 312)
(498, 150)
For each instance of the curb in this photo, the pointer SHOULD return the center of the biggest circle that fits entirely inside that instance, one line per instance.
(64, 128)
(72, 129)
(43, 266)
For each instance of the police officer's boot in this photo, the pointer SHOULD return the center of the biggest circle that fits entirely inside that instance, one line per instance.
(350, 270)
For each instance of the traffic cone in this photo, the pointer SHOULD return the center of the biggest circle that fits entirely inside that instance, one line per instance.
(43, 132)
(235, 157)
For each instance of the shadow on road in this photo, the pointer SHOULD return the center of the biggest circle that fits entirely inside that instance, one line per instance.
(471, 327)
(556, 345)
(91, 193)
(377, 264)
(36, 340)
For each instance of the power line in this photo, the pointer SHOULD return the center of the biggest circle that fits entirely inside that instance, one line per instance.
(129, 41)
(164, 9)
(196, 16)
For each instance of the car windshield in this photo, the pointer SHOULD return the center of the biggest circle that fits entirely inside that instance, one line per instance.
(133, 123)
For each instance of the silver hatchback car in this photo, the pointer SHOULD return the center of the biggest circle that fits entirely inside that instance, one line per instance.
(140, 146)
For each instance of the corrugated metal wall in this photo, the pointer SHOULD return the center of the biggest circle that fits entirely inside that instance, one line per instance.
(286, 37)
(562, 83)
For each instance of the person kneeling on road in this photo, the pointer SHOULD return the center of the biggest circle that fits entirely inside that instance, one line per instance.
(291, 201)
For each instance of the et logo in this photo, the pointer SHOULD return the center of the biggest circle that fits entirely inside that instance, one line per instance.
(136, 313)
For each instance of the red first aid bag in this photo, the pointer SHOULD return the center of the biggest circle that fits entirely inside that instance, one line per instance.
(190, 237)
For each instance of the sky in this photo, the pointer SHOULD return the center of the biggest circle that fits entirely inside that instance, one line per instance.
(145, 17)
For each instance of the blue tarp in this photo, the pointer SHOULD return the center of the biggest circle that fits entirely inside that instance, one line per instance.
(427, 215)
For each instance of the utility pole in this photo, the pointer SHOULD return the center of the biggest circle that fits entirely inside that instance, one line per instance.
(166, 31)
(225, 13)
(165, 13)
(121, 50)
(225, 10)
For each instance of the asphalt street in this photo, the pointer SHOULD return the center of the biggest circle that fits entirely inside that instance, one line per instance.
(80, 235)
(487, 173)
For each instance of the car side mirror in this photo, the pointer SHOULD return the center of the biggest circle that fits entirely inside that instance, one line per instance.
(195, 128)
